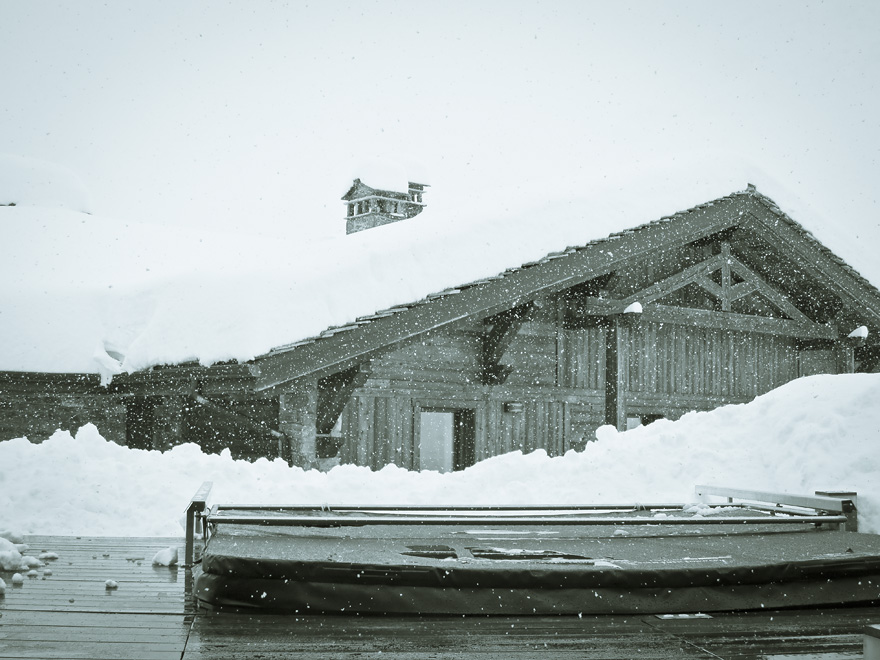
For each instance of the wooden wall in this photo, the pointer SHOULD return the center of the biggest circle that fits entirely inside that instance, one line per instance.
(38, 417)
(678, 359)
(558, 378)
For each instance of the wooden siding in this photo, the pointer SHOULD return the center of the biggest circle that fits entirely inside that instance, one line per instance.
(558, 378)
(583, 363)
(38, 417)
(682, 360)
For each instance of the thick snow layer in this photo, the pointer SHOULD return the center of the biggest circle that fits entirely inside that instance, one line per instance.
(816, 433)
(80, 293)
(33, 182)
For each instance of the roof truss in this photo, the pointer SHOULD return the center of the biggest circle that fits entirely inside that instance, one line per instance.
(727, 292)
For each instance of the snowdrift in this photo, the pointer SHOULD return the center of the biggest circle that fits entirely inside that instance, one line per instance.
(816, 433)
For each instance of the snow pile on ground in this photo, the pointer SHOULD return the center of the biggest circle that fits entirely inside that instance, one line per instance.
(817, 433)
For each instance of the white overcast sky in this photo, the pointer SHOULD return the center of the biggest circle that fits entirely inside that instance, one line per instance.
(256, 115)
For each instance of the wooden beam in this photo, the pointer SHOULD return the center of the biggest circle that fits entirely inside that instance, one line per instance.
(712, 288)
(615, 375)
(242, 419)
(725, 277)
(26, 382)
(740, 322)
(742, 290)
(505, 327)
(333, 393)
(297, 419)
(674, 282)
(345, 349)
(778, 299)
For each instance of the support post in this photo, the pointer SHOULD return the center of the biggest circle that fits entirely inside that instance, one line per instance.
(194, 522)
(844, 356)
(850, 506)
(615, 374)
(297, 419)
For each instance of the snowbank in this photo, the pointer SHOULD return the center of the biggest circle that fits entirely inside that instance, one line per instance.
(817, 433)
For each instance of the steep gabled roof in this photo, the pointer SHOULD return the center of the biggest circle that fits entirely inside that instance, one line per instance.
(360, 190)
(342, 346)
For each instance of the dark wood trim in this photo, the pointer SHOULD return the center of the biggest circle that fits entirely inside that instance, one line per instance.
(49, 384)
(497, 340)
(344, 349)
(726, 278)
(242, 419)
(767, 291)
(693, 274)
(333, 393)
(704, 318)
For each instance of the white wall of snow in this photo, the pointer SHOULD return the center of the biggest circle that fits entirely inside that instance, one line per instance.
(816, 433)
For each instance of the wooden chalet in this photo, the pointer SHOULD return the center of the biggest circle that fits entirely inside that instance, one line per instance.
(711, 306)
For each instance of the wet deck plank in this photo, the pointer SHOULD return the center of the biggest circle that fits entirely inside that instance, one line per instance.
(151, 617)
(71, 614)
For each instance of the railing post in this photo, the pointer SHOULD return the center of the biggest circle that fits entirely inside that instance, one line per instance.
(195, 509)
(850, 506)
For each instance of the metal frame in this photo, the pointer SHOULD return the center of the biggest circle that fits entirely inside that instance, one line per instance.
(789, 503)
(777, 509)
(194, 515)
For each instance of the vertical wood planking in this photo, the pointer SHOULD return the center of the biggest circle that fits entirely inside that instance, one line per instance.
(380, 453)
(407, 439)
(364, 431)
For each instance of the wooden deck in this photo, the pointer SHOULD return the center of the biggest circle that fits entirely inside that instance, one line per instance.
(70, 614)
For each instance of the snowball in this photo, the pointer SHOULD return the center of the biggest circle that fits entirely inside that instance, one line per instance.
(12, 537)
(2, 587)
(48, 571)
(17, 578)
(10, 557)
(111, 584)
(32, 573)
(48, 555)
(30, 562)
(166, 557)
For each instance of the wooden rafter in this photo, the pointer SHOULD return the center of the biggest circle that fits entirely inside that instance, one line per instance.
(505, 327)
(333, 393)
(675, 282)
(726, 292)
(783, 303)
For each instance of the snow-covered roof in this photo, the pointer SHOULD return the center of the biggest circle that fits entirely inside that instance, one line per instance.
(86, 294)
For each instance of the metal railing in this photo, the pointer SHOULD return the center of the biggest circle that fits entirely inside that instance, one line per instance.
(195, 520)
(842, 504)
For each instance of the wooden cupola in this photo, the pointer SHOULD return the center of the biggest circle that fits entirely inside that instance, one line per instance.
(368, 207)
